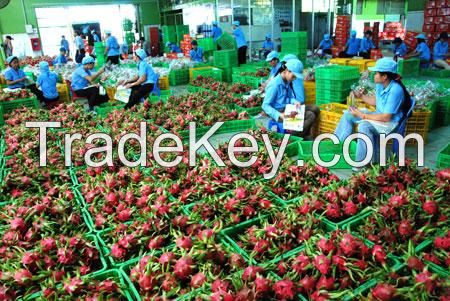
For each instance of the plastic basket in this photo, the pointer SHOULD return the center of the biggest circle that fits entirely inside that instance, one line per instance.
(9, 106)
(232, 126)
(337, 95)
(418, 123)
(340, 61)
(253, 81)
(164, 83)
(327, 151)
(179, 77)
(226, 41)
(2, 122)
(250, 111)
(335, 85)
(211, 72)
(226, 74)
(361, 64)
(443, 161)
(333, 72)
(207, 44)
(408, 68)
(225, 58)
(104, 111)
(237, 78)
(294, 34)
(435, 73)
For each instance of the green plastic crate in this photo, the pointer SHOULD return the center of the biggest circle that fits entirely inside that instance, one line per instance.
(225, 58)
(335, 84)
(327, 150)
(207, 44)
(215, 73)
(227, 74)
(254, 81)
(250, 111)
(336, 71)
(443, 111)
(433, 107)
(408, 68)
(443, 161)
(226, 41)
(332, 94)
(232, 126)
(294, 34)
(164, 96)
(179, 77)
(321, 100)
(9, 106)
(435, 73)
(2, 120)
(104, 111)
(237, 78)
(127, 25)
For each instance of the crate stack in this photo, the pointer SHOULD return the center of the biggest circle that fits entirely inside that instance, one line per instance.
(179, 77)
(226, 60)
(436, 20)
(334, 82)
(410, 39)
(376, 33)
(342, 33)
(186, 45)
(226, 41)
(208, 46)
(169, 35)
(181, 31)
(127, 27)
(409, 67)
(295, 43)
(393, 30)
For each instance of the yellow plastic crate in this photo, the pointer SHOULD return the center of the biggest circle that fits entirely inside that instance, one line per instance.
(418, 123)
(63, 92)
(2, 80)
(360, 63)
(191, 76)
(371, 64)
(340, 61)
(310, 92)
(164, 83)
(330, 115)
(111, 91)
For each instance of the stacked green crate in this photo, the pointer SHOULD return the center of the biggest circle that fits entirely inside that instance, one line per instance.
(169, 34)
(127, 27)
(226, 41)
(409, 68)
(99, 48)
(294, 43)
(207, 44)
(333, 83)
(226, 60)
(179, 77)
(180, 31)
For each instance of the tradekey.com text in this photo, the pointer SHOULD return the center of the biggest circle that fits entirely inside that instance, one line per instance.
(196, 143)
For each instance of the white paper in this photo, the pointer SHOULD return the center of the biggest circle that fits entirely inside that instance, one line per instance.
(122, 94)
(293, 122)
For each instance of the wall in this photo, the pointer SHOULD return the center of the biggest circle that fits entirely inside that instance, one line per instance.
(417, 5)
(12, 17)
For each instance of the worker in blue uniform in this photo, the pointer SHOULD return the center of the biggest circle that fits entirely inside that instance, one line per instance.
(366, 45)
(240, 41)
(325, 45)
(196, 52)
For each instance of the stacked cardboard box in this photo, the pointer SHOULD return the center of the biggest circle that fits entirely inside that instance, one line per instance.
(436, 19)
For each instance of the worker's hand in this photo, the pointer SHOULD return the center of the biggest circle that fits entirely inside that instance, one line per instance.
(128, 86)
(120, 82)
(23, 79)
(356, 94)
(355, 112)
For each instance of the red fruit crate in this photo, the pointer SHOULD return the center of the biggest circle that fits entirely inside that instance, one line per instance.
(431, 4)
(430, 12)
(439, 20)
(447, 19)
(442, 27)
(443, 11)
(376, 54)
(428, 20)
(442, 3)
(428, 27)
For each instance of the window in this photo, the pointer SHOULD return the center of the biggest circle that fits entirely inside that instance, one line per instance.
(391, 7)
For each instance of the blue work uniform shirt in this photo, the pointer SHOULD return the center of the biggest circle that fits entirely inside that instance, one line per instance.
(78, 78)
(47, 82)
(65, 44)
(79, 44)
(299, 90)
(174, 48)
(216, 32)
(113, 46)
(366, 45)
(274, 70)
(268, 45)
(389, 100)
(196, 55)
(400, 50)
(60, 60)
(240, 37)
(12, 75)
(424, 51)
(278, 94)
(124, 49)
(353, 46)
(326, 44)
(145, 69)
(440, 50)
(96, 38)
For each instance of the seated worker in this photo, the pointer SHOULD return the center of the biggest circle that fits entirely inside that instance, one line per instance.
(440, 52)
(325, 45)
(61, 59)
(16, 78)
(274, 61)
(352, 46)
(391, 100)
(196, 52)
(267, 45)
(399, 48)
(422, 51)
(366, 45)
(173, 47)
(47, 82)
(280, 92)
(83, 83)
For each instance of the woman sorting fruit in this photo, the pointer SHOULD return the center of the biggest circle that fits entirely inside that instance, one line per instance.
(16, 78)
(143, 84)
(47, 83)
(280, 92)
(392, 101)
(83, 83)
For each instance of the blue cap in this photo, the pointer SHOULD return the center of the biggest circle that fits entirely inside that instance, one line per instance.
(272, 55)
(421, 36)
(215, 23)
(141, 53)
(236, 23)
(289, 57)
(268, 36)
(88, 60)
(44, 67)
(296, 67)
(353, 33)
(62, 49)
(326, 36)
(385, 65)
(10, 59)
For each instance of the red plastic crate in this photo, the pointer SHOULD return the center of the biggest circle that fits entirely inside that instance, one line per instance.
(443, 11)
(430, 12)
(428, 20)
(447, 19)
(428, 27)
(439, 20)
(442, 3)
(442, 27)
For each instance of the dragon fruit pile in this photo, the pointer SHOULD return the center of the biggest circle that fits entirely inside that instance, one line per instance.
(16, 94)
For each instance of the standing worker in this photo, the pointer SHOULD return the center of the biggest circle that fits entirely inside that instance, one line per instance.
(79, 46)
(196, 52)
(216, 31)
(46, 81)
(7, 46)
(241, 42)
(325, 45)
(95, 36)
(352, 46)
(83, 83)
(366, 45)
(267, 45)
(422, 51)
(65, 45)
(399, 48)
(112, 49)
(143, 84)
(440, 51)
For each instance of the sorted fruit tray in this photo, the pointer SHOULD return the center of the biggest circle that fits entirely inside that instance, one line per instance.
(104, 111)
(9, 106)
(327, 151)
(443, 160)
(214, 73)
